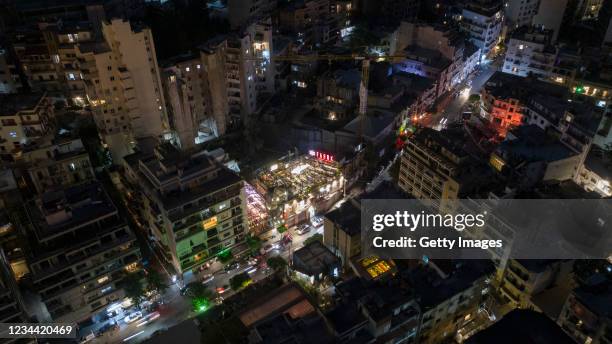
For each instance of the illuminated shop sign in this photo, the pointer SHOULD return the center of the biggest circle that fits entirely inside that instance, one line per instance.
(209, 223)
(321, 156)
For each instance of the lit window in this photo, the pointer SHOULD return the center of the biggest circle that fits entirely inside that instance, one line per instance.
(71, 76)
(106, 289)
(187, 69)
(172, 78)
(102, 280)
(70, 37)
(55, 58)
(13, 134)
(198, 66)
(72, 166)
(521, 47)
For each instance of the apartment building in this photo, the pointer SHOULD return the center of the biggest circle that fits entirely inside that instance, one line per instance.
(504, 98)
(585, 317)
(61, 39)
(311, 21)
(9, 77)
(36, 62)
(338, 93)
(57, 164)
(432, 51)
(523, 279)
(451, 295)
(551, 15)
(342, 231)
(12, 308)
(436, 165)
(240, 72)
(242, 13)
(185, 83)
(80, 251)
(23, 118)
(123, 85)
(530, 52)
(194, 207)
(519, 13)
(482, 20)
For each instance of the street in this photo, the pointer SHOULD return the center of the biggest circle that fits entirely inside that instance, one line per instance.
(454, 109)
(177, 308)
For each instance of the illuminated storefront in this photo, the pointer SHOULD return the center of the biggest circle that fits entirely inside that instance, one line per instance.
(297, 187)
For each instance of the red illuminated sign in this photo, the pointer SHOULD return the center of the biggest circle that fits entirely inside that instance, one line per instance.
(322, 156)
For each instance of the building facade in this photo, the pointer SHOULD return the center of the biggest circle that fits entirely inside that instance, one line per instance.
(194, 207)
(80, 252)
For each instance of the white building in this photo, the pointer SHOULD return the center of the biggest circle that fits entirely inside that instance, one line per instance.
(482, 21)
(529, 52)
(123, 86)
(520, 12)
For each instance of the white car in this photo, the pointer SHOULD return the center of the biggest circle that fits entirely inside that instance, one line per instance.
(130, 318)
(207, 278)
(303, 229)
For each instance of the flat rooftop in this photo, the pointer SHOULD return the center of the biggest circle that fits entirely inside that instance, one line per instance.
(11, 104)
(314, 258)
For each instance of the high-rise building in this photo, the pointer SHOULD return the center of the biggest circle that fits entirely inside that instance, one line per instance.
(520, 12)
(550, 15)
(194, 207)
(80, 251)
(123, 86)
(482, 20)
(241, 13)
(437, 165)
(61, 39)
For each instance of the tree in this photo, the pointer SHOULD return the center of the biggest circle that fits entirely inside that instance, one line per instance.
(254, 243)
(155, 281)
(281, 229)
(313, 238)
(200, 296)
(240, 281)
(134, 288)
(225, 256)
(277, 263)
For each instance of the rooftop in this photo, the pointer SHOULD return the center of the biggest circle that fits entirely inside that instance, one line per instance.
(70, 209)
(314, 259)
(11, 104)
(430, 57)
(531, 143)
(347, 217)
(522, 326)
(436, 285)
(597, 296)
(505, 86)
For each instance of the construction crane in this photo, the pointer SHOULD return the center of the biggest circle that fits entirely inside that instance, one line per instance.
(365, 73)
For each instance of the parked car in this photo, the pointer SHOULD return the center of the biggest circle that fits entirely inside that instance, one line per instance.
(316, 221)
(207, 278)
(303, 229)
(232, 266)
(130, 318)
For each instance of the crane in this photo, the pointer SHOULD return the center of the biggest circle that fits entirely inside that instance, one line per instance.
(365, 73)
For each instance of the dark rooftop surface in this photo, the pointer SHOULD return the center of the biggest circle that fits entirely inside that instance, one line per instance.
(432, 289)
(597, 296)
(10, 104)
(347, 217)
(533, 144)
(94, 47)
(522, 326)
(314, 259)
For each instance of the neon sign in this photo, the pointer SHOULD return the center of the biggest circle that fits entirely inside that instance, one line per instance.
(321, 156)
